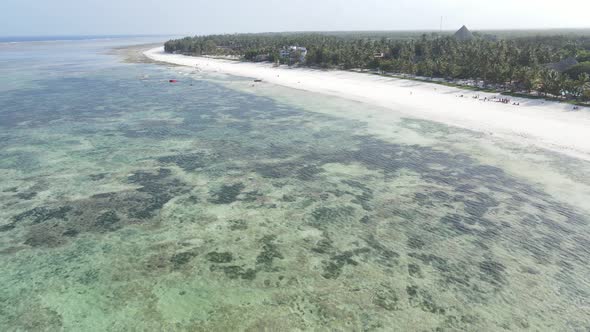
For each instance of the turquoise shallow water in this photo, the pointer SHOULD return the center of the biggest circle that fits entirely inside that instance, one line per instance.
(129, 203)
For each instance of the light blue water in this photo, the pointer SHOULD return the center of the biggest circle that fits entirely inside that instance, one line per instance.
(129, 203)
(62, 38)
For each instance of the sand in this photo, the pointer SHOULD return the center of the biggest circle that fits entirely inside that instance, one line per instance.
(545, 124)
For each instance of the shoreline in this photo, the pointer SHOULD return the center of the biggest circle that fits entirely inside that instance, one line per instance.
(133, 53)
(540, 123)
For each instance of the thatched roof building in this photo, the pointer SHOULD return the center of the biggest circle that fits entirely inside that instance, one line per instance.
(463, 34)
(563, 65)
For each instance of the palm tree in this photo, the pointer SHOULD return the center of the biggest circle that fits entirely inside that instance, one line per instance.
(549, 82)
(526, 77)
(583, 85)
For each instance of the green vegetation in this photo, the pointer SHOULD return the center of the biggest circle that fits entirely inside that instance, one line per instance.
(515, 62)
(579, 69)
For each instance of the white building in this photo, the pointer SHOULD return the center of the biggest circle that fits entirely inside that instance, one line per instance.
(292, 51)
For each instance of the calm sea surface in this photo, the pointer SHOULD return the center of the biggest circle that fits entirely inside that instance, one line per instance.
(131, 204)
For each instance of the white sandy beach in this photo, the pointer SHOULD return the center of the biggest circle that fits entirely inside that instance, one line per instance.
(544, 124)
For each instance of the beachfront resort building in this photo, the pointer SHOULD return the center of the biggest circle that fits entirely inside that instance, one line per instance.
(294, 52)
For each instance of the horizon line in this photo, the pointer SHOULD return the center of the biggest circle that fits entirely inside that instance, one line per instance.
(283, 31)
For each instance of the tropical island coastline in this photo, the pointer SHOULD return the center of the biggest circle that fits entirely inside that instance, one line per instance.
(313, 166)
(548, 64)
(541, 123)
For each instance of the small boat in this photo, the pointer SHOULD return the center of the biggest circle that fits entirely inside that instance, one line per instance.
(173, 81)
(257, 81)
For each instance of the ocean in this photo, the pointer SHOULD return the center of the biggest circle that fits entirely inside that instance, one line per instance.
(129, 203)
(63, 38)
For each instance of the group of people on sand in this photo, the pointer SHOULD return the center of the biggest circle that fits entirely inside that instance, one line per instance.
(496, 99)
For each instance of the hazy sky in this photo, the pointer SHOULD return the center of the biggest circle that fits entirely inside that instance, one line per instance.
(74, 17)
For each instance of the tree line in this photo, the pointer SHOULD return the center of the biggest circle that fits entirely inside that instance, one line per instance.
(516, 63)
